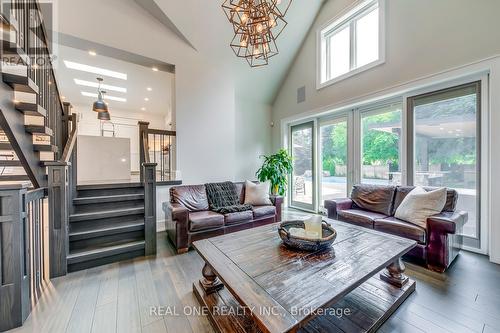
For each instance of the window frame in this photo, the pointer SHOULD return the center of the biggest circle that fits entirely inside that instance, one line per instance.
(348, 18)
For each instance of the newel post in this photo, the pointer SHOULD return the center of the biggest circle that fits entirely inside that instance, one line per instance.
(143, 128)
(14, 256)
(149, 170)
(58, 217)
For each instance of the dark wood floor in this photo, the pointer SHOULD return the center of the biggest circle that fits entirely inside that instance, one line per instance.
(119, 297)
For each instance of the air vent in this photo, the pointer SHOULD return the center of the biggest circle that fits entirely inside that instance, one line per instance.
(301, 94)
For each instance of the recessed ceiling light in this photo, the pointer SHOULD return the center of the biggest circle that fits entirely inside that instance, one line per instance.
(143, 109)
(63, 97)
(95, 70)
(155, 69)
(95, 85)
(92, 53)
(146, 99)
(458, 130)
(111, 98)
(441, 128)
(149, 88)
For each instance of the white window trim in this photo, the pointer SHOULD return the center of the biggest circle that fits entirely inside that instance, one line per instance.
(319, 45)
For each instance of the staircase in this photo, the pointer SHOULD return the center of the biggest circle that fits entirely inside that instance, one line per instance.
(107, 225)
(26, 141)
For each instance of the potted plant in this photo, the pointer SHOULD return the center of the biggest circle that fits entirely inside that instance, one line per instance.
(276, 169)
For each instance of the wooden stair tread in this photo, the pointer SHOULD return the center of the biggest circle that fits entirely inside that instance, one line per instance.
(11, 163)
(42, 147)
(84, 232)
(14, 178)
(31, 109)
(38, 129)
(106, 214)
(107, 198)
(5, 146)
(100, 252)
(108, 186)
(20, 83)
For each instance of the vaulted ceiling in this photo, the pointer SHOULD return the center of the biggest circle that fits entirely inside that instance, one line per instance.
(203, 26)
(197, 26)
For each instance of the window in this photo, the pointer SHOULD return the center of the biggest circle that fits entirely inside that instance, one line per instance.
(351, 44)
(445, 145)
(381, 145)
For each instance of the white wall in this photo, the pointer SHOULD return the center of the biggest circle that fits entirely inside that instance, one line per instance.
(205, 90)
(253, 136)
(423, 37)
(426, 41)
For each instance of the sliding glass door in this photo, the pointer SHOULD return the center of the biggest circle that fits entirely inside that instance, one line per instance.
(444, 149)
(333, 159)
(302, 189)
(435, 143)
(381, 144)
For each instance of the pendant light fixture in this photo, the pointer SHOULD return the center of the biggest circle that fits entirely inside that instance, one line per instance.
(256, 24)
(100, 105)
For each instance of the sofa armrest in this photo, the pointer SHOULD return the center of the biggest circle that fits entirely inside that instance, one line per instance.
(178, 230)
(443, 239)
(447, 222)
(277, 201)
(334, 205)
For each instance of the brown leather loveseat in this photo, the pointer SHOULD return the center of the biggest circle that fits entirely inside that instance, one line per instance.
(192, 220)
(374, 206)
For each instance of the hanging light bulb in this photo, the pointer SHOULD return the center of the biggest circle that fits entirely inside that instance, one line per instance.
(99, 105)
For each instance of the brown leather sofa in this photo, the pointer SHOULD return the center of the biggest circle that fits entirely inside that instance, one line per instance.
(192, 220)
(374, 206)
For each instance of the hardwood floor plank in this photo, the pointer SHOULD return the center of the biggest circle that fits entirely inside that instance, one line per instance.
(157, 326)
(83, 312)
(105, 318)
(396, 325)
(108, 293)
(128, 317)
(464, 299)
(168, 299)
(146, 291)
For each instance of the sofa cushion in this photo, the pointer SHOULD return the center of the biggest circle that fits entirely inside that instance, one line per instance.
(263, 211)
(257, 194)
(205, 220)
(419, 204)
(238, 217)
(240, 191)
(359, 217)
(193, 197)
(402, 192)
(394, 226)
(375, 198)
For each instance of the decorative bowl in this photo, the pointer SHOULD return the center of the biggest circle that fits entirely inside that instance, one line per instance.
(306, 244)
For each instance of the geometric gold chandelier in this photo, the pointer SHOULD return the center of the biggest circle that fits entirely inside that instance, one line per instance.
(256, 24)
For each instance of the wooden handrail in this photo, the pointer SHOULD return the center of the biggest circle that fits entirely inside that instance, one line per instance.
(161, 132)
(36, 194)
(68, 148)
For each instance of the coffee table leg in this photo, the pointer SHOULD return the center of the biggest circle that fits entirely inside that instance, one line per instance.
(210, 282)
(394, 274)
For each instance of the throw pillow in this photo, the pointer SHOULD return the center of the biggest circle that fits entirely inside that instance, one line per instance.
(257, 194)
(419, 204)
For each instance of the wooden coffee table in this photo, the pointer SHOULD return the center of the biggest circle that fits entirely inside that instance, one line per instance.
(253, 283)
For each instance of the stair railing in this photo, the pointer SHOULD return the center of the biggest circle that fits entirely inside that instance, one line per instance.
(148, 179)
(26, 214)
(160, 144)
(23, 274)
